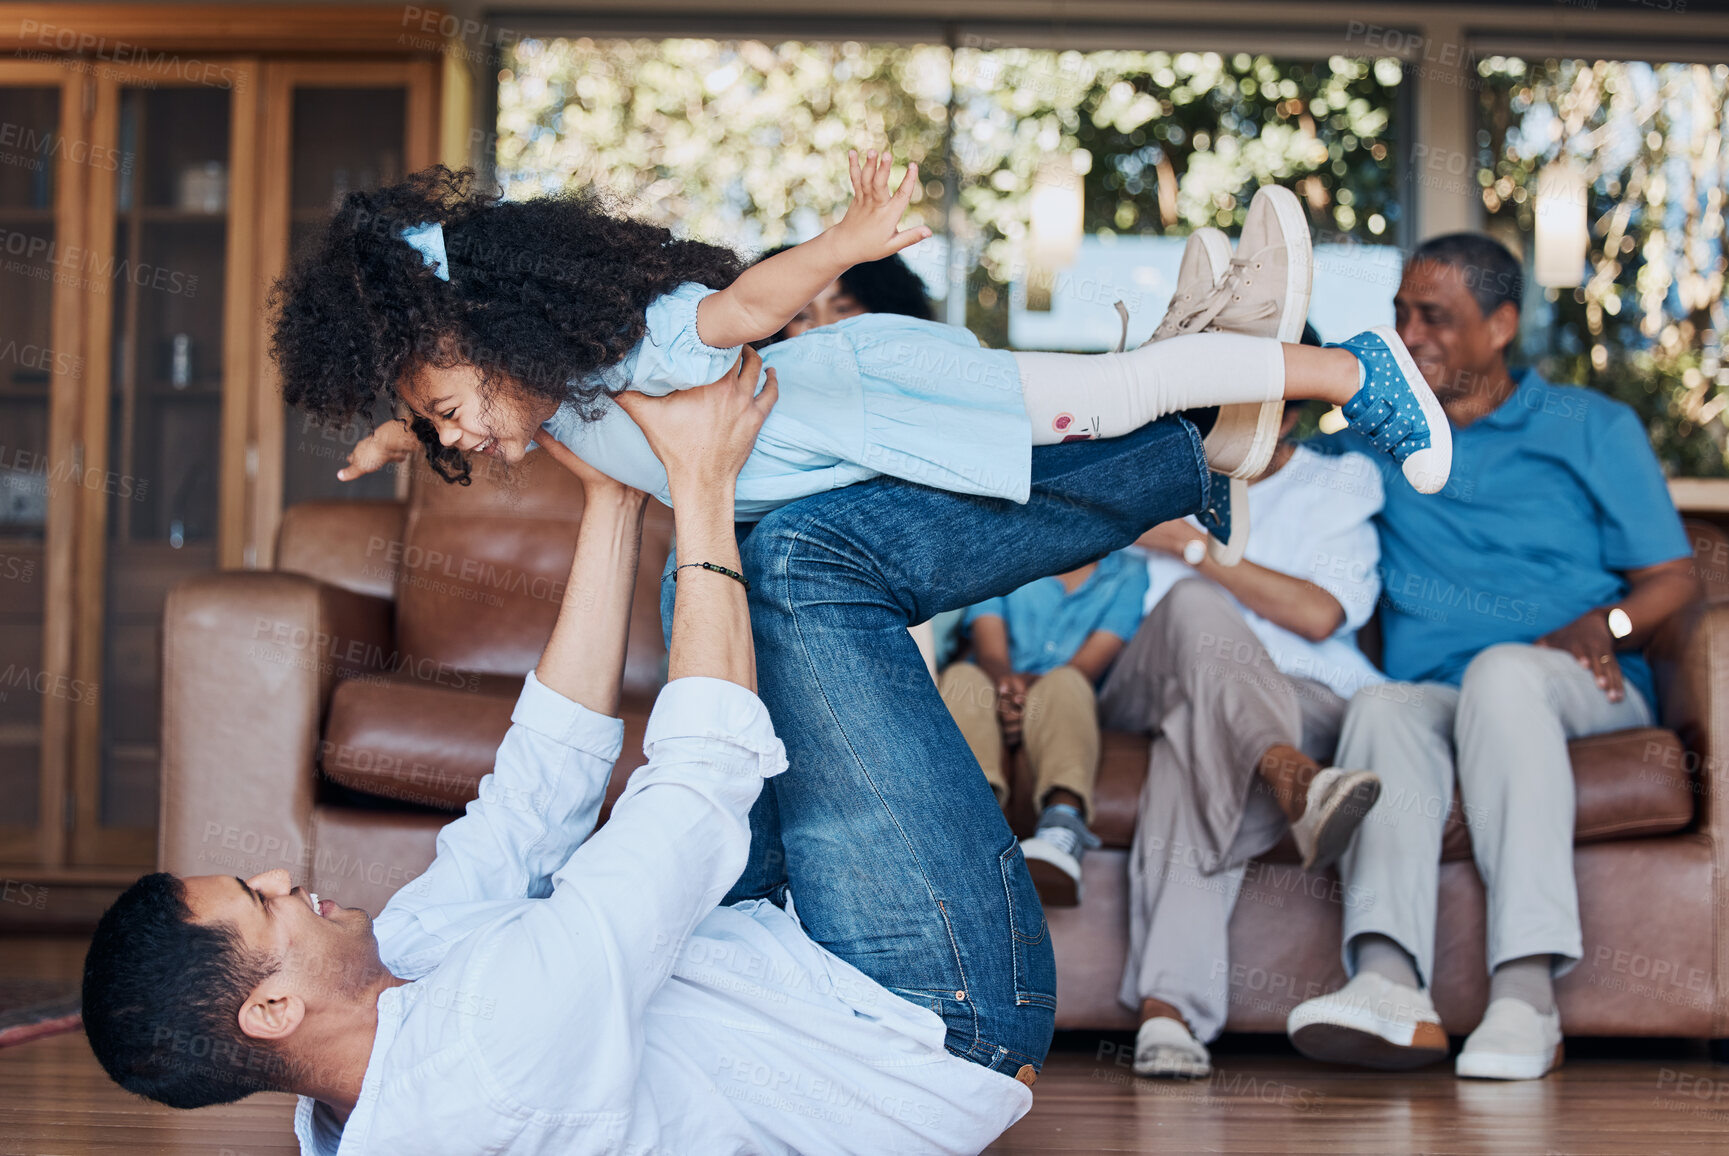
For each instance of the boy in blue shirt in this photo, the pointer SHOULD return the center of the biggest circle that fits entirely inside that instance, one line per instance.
(1039, 654)
(1518, 601)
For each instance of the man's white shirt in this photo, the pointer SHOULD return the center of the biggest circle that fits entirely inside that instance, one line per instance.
(575, 994)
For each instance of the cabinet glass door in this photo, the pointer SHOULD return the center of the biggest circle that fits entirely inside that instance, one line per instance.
(329, 129)
(31, 145)
(343, 139)
(165, 361)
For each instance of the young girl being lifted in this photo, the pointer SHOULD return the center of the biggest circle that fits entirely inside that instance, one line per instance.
(500, 323)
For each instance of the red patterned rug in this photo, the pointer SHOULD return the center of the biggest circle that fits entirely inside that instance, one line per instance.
(33, 1008)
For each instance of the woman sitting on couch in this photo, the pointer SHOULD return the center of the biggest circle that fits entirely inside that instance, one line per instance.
(1241, 674)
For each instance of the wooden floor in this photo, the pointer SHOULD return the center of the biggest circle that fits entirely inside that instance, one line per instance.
(1613, 1098)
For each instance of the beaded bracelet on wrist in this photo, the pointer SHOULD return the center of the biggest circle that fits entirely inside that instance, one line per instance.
(733, 574)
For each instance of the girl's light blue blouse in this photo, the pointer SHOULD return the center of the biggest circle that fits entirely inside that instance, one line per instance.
(874, 394)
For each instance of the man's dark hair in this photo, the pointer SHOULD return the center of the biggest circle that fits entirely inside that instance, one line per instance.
(161, 999)
(887, 285)
(1493, 275)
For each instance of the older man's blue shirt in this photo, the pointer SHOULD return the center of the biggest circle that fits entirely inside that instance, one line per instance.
(1553, 496)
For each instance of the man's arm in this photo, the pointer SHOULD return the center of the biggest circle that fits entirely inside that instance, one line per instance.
(770, 293)
(1655, 592)
(544, 793)
(584, 658)
(1641, 537)
(1297, 604)
(623, 905)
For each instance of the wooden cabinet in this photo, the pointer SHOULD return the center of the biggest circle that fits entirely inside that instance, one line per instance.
(43, 377)
(145, 209)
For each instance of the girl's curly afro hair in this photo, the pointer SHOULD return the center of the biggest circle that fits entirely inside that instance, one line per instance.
(542, 293)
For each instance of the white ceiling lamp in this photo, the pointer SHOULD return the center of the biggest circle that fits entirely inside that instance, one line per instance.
(1563, 232)
(1055, 236)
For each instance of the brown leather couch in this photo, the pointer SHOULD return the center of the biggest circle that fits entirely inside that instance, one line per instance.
(332, 715)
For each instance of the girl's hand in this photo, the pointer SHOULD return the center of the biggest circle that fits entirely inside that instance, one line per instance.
(871, 228)
(390, 443)
(703, 435)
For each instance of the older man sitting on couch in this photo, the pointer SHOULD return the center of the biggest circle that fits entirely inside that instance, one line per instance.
(1517, 602)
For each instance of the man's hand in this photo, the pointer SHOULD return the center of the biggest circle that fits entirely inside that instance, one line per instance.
(1588, 640)
(871, 228)
(390, 443)
(703, 435)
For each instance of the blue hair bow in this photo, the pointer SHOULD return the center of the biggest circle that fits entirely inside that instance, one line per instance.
(428, 240)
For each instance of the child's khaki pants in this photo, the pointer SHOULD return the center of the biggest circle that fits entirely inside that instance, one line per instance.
(1060, 730)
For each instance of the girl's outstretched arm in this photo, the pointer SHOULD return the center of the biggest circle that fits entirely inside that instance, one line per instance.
(768, 294)
(390, 443)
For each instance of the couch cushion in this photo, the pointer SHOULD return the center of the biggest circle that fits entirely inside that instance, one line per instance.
(1628, 784)
(428, 743)
(1117, 795)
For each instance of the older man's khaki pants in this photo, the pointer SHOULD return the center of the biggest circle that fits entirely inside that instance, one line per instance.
(1504, 732)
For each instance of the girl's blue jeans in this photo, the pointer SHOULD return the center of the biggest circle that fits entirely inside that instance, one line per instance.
(883, 828)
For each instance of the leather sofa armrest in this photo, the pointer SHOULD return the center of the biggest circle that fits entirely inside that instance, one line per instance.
(249, 662)
(1690, 656)
(356, 545)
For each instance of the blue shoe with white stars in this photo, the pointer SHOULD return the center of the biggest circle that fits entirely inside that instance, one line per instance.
(1397, 411)
(1226, 520)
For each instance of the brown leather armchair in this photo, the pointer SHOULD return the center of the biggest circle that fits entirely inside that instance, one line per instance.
(332, 715)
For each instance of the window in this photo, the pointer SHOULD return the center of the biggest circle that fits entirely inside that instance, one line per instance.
(743, 142)
(1647, 324)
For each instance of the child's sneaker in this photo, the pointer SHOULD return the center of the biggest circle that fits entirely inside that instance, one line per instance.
(1262, 292)
(1397, 411)
(1054, 853)
(1206, 256)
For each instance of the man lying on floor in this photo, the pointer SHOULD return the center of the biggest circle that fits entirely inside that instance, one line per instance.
(539, 989)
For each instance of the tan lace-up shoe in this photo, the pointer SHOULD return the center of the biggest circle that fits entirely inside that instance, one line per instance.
(1206, 257)
(1263, 293)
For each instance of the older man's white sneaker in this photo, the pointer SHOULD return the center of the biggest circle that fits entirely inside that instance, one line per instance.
(1515, 1041)
(1372, 1022)
(1166, 1049)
